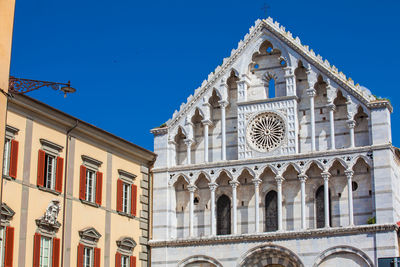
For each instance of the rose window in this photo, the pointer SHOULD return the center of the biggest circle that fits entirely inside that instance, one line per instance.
(266, 131)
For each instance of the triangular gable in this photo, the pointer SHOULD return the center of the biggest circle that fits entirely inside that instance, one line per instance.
(360, 93)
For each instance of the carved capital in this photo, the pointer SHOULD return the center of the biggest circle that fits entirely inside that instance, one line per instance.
(279, 179)
(349, 173)
(213, 186)
(189, 142)
(311, 92)
(326, 175)
(351, 124)
(207, 122)
(192, 188)
(256, 182)
(223, 103)
(234, 184)
(302, 177)
(331, 107)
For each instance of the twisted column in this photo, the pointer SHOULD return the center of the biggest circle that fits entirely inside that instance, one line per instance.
(257, 183)
(349, 175)
(326, 176)
(303, 179)
(234, 185)
(213, 187)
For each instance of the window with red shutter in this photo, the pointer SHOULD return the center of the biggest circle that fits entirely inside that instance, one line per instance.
(82, 183)
(13, 159)
(36, 250)
(41, 167)
(56, 252)
(59, 174)
(134, 200)
(119, 195)
(80, 256)
(133, 261)
(97, 257)
(118, 259)
(99, 187)
(9, 247)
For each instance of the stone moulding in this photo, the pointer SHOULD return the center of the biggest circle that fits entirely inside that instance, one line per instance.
(276, 236)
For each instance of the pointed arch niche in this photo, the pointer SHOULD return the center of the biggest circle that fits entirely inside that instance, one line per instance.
(180, 147)
(182, 207)
(214, 143)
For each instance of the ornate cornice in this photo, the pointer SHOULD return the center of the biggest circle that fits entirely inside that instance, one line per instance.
(159, 131)
(381, 104)
(275, 236)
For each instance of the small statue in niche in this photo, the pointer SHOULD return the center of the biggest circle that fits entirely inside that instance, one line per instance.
(51, 214)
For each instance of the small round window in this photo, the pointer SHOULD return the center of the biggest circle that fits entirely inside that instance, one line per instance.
(269, 50)
(256, 66)
(283, 62)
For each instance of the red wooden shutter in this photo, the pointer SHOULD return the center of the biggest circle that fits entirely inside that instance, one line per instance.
(119, 195)
(13, 159)
(80, 255)
(59, 174)
(56, 252)
(99, 187)
(134, 200)
(96, 257)
(36, 250)
(118, 259)
(82, 183)
(41, 165)
(9, 247)
(133, 261)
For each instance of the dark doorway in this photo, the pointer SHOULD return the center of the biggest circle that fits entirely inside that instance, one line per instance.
(319, 205)
(223, 215)
(271, 211)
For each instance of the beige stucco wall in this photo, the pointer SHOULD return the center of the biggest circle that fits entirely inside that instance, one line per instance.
(6, 29)
(83, 215)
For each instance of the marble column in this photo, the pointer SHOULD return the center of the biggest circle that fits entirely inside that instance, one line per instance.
(349, 175)
(206, 124)
(223, 104)
(213, 187)
(234, 185)
(192, 189)
(311, 94)
(351, 124)
(332, 109)
(326, 176)
(188, 143)
(257, 183)
(303, 179)
(279, 179)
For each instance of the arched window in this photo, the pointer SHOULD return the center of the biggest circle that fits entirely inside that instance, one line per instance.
(271, 88)
(320, 207)
(223, 215)
(271, 211)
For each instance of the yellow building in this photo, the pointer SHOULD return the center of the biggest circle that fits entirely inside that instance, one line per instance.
(73, 194)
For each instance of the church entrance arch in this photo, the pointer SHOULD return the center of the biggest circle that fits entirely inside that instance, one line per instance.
(223, 215)
(270, 256)
(271, 211)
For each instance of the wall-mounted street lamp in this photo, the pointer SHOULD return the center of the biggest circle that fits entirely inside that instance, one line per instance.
(22, 86)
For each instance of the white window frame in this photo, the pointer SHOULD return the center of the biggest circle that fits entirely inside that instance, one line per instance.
(88, 257)
(50, 167)
(2, 244)
(46, 240)
(125, 261)
(7, 157)
(126, 197)
(91, 187)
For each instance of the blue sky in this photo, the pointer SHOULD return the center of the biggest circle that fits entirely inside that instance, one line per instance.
(133, 63)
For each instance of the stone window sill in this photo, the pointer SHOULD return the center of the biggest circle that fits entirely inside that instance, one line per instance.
(7, 177)
(125, 214)
(52, 191)
(90, 203)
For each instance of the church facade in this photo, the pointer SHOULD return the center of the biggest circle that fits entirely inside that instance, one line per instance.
(278, 159)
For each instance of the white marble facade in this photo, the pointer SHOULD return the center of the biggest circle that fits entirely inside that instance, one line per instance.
(278, 159)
